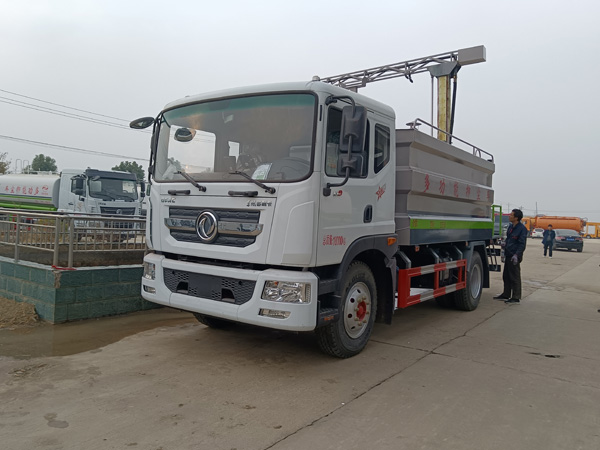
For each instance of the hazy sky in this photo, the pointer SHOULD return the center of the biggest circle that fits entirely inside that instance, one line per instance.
(533, 105)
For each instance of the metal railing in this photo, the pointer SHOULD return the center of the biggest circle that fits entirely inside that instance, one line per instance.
(71, 239)
(476, 150)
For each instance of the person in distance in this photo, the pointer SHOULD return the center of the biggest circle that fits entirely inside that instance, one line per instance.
(548, 240)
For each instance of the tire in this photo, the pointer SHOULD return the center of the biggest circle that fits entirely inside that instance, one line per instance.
(468, 299)
(350, 334)
(579, 250)
(212, 322)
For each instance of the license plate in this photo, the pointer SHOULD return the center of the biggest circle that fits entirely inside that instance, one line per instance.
(570, 239)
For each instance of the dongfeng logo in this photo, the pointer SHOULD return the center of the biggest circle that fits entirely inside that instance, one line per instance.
(206, 227)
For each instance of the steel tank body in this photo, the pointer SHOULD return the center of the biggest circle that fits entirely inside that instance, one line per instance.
(443, 193)
(29, 191)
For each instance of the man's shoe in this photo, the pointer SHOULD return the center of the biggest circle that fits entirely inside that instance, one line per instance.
(500, 297)
(512, 300)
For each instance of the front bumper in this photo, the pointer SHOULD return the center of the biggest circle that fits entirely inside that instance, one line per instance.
(302, 316)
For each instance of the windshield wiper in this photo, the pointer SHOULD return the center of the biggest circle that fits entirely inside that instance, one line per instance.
(270, 190)
(104, 193)
(191, 180)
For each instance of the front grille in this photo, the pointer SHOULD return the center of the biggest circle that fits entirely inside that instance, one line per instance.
(117, 211)
(222, 289)
(223, 216)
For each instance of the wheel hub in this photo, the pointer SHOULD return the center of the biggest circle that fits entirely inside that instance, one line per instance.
(357, 310)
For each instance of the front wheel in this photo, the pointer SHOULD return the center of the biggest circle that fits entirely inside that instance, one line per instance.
(468, 299)
(350, 334)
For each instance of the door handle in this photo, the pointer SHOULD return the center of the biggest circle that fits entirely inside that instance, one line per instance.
(368, 214)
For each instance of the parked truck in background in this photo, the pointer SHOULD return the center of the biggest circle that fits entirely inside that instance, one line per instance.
(592, 230)
(88, 191)
(300, 207)
(558, 223)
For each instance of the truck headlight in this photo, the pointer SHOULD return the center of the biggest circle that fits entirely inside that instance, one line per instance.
(286, 292)
(149, 271)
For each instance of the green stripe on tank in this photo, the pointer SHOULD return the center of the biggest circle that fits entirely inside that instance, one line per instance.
(29, 206)
(9, 197)
(426, 224)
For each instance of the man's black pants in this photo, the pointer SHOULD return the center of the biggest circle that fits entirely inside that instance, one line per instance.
(512, 279)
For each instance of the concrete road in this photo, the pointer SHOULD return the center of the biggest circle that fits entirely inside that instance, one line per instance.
(502, 377)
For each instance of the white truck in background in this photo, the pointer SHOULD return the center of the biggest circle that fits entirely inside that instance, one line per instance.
(88, 191)
(299, 206)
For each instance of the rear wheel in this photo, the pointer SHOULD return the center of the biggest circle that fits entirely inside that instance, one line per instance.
(579, 250)
(468, 299)
(350, 334)
(212, 322)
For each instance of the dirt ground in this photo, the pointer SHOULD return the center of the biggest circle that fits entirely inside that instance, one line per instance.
(16, 314)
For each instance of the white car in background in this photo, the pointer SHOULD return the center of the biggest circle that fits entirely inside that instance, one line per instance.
(537, 233)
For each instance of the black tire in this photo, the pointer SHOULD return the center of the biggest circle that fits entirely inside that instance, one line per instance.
(468, 299)
(350, 334)
(579, 250)
(212, 322)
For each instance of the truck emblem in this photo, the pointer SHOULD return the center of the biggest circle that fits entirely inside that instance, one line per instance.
(206, 227)
(120, 211)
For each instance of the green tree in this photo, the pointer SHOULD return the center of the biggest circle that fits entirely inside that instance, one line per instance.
(4, 162)
(131, 166)
(43, 163)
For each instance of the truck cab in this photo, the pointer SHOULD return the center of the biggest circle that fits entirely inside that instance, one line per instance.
(93, 191)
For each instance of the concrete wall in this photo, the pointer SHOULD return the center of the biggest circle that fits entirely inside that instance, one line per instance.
(83, 293)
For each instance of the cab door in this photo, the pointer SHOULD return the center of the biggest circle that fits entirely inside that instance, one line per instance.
(364, 205)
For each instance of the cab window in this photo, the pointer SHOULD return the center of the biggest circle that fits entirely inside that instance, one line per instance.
(382, 147)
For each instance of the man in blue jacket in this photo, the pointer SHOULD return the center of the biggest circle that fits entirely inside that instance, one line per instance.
(516, 240)
(548, 240)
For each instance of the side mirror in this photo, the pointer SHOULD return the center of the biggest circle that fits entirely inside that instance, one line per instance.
(142, 189)
(184, 135)
(140, 124)
(354, 127)
(355, 162)
(79, 192)
(79, 186)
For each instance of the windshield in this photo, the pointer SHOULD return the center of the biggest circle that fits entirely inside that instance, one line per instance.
(113, 189)
(268, 137)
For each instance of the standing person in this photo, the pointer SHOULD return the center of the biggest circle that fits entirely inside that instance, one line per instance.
(516, 240)
(548, 240)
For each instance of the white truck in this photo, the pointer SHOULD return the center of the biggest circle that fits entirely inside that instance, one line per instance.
(299, 206)
(88, 191)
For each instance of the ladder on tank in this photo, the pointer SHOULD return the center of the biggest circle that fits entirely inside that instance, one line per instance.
(494, 249)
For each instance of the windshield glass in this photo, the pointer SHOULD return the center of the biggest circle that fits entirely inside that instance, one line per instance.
(113, 189)
(268, 137)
